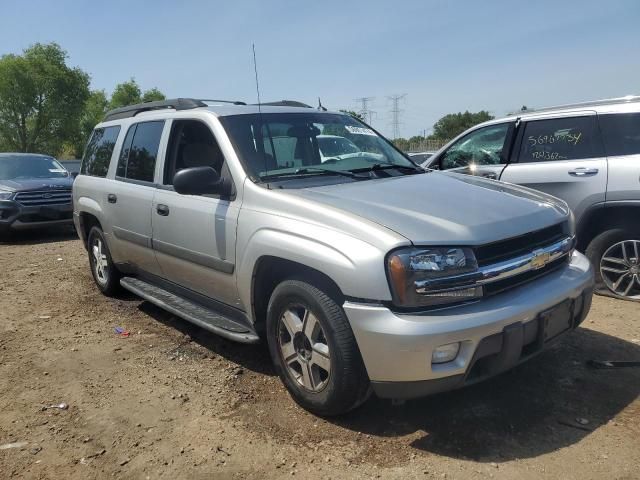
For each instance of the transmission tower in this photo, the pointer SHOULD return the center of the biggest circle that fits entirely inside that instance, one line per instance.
(395, 114)
(364, 110)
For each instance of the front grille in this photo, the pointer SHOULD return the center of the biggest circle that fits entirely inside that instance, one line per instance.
(514, 247)
(517, 280)
(44, 197)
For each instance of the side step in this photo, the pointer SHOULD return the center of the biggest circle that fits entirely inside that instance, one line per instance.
(191, 311)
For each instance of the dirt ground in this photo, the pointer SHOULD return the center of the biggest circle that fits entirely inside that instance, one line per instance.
(173, 401)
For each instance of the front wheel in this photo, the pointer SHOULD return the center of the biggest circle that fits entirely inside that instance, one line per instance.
(615, 256)
(104, 272)
(314, 350)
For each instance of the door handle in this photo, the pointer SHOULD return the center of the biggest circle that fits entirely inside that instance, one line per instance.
(162, 210)
(112, 198)
(583, 172)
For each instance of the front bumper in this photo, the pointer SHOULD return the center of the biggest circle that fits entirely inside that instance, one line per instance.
(20, 217)
(495, 334)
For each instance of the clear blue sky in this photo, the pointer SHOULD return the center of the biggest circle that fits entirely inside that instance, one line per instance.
(446, 56)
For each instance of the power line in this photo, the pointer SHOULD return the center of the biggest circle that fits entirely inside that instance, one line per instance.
(366, 112)
(395, 114)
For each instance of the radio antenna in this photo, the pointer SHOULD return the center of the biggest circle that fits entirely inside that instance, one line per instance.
(255, 70)
(262, 124)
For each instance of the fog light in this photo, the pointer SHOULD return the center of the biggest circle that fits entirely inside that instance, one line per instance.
(445, 353)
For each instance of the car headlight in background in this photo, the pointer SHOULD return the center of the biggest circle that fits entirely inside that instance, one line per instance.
(6, 195)
(413, 270)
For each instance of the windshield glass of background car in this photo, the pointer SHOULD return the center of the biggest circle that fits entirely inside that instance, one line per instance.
(283, 143)
(22, 167)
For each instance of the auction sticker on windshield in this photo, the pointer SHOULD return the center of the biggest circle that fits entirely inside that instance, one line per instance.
(359, 130)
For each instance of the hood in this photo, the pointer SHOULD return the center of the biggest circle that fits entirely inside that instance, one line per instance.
(28, 184)
(444, 208)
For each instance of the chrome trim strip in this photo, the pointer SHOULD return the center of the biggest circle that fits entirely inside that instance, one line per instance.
(500, 271)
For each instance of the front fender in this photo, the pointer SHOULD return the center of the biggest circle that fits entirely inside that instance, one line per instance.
(356, 266)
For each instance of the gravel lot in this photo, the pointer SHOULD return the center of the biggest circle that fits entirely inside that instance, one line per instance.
(173, 401)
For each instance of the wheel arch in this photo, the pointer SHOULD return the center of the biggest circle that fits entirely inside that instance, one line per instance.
(606, 216)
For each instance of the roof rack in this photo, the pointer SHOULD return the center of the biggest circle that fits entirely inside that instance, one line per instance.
(593, 103)
(175, 103)
(285, 103)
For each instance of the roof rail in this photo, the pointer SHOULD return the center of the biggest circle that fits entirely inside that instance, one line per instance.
(592, 103)
(133, 110)
(235, 102)
(285, 103)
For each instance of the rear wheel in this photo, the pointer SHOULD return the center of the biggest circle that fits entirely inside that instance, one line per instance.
(615, 256)
(314, 350)
(104, 272)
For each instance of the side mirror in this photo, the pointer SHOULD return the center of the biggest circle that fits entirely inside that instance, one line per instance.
(200, 181)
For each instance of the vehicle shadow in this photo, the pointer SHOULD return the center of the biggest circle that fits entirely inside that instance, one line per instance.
(39, 236)
(551, 402)
(251, 357)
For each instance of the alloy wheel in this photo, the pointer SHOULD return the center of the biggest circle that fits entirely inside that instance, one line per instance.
(304, 348)
(620, 268)
(100, 262)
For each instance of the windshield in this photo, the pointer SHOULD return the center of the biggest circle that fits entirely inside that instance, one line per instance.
(299, 144)
(15, 167)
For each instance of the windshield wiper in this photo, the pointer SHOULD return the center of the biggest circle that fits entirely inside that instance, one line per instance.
(388, 166)
(305, 170)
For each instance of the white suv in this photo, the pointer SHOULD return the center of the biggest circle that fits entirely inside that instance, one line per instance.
(588, 154)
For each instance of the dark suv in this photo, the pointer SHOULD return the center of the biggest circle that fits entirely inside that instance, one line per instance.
(35, 191)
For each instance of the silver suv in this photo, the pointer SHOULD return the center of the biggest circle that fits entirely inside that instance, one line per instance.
(588, 154)
(362, 271)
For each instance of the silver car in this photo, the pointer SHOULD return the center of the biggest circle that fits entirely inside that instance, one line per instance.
(366, 273)
(587, 154)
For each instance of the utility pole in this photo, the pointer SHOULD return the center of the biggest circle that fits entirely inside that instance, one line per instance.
(395, 114)
(364, 110)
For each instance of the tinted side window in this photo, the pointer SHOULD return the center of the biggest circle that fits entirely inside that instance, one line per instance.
(481, 147)
(570, 138)
(98, 153)
(621, 133)
(140, 150)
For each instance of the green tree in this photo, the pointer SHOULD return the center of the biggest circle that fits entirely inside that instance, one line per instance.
(95, 107)
(129, 93)
(455, 123)
(126, 93)
(41, 100)
(153, 95)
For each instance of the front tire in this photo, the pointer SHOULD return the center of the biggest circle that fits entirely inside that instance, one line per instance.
(104, 272)
(615, 256)
(314, 350)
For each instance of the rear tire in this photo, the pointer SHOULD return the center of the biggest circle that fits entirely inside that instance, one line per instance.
(104, 272)
(314, 350)
(617, 271)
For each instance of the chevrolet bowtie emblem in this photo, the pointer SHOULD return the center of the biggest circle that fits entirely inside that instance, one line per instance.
(540, 259)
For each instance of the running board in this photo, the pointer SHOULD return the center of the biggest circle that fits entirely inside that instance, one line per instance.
(192, 312)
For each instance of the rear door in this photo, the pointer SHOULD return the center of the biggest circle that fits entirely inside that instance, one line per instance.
(562, 156)
(621, 135)
(130, 196)
(481, 152)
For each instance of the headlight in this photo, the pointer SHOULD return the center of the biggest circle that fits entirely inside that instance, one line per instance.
(6, 195)
(432, 276)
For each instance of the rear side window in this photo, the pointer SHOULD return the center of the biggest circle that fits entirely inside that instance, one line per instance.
(139, 151)
(621, 133)
(571, 138)
(97, 155)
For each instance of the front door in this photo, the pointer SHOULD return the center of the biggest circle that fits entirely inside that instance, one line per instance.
(562, 156)
(481, 152)
(194, 237)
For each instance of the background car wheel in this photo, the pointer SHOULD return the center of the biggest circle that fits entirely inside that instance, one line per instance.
(105, 274)
(615, 256)
(314, 350)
